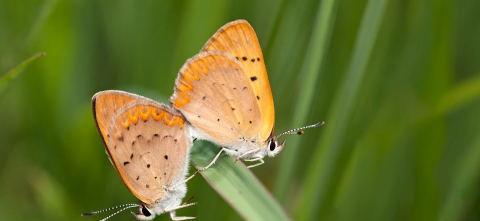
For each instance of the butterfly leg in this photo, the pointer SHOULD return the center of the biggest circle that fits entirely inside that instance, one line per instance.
(216, 157)
(174, 217)
(247, 153)
(168, 210)
(182, 182)
(255, 159)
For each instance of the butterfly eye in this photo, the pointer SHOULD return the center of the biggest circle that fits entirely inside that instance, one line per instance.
(145, 211)
(273, 145)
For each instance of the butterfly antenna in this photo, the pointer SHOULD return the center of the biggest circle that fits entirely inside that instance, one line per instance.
(129, 205)
(300, 130)
(115, 213)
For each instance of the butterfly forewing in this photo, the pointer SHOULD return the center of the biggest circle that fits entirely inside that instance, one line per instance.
(239, 40)
(214, 94)
(146, 141)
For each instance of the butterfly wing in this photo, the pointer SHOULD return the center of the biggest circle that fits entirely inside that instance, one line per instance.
(239, 40)
(214, 94)
(147, 142)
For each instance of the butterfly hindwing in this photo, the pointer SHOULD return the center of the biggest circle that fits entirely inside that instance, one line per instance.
(214, 95)
(238, 39)
(146, 141)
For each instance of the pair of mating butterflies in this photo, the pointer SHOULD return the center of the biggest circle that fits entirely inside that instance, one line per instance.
(221, 95)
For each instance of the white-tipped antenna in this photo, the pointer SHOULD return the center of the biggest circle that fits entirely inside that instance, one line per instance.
(125, 206)
(300, 130)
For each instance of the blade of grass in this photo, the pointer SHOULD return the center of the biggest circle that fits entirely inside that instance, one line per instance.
(459, 96)
(273, 30)
(310, 72)
(321, 173)
(12, 74)
(465, 186)
(43, 13)
(237, 185)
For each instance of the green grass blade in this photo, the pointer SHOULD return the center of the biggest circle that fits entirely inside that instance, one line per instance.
(321, 173)
(42, 17)
(311, 70)
(237, 185)
(459, 96)
(12, 74)
(465, 185)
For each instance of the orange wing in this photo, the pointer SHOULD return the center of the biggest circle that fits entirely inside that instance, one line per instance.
(146, 142)
(214, 95)
(239, 40)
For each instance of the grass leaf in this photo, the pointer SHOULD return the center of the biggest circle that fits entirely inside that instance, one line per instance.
(311, 70)
(320, 174)
(236, 184)
(459, 96)
(12, 74)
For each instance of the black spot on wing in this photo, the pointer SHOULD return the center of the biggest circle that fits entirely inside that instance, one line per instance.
(254, 78)
(244, 58)
(166, 157)
(125, 163)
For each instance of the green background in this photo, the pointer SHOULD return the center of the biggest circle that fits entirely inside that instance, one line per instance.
(397, 83)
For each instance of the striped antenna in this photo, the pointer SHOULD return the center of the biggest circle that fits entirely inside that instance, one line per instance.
(300, 130)
(126, 206)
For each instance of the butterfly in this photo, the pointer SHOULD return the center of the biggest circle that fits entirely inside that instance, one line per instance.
(148, 143)
(225, 94)
(221, 95)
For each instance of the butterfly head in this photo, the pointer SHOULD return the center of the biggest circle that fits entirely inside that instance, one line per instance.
(274, 148)
(145, 213)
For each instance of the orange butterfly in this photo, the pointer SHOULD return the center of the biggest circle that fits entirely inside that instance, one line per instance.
(225, 94)
(148, 143)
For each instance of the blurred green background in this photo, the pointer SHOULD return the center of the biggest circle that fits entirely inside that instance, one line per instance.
(397, 82)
